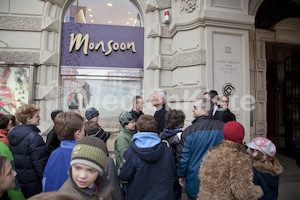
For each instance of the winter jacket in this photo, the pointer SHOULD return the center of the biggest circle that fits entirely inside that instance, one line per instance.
(225, 115)
(266, 175)
(172, 138)
(4, 138)
(110, 173)
(56, 171)
(122, 143)
(14, 193)
(30, 154)
(149, 168)
(226, 174)
(159, 115)
(104, 189)
(204, 133)
(52, 141)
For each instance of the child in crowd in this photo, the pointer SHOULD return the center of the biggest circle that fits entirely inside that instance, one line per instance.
(87, 162)
(226, 171)
(29, 150)
(7, 177)
(54, 196)
(12, 122)
(69, 127)
(266, 166)
(123, 140)
(171, 134)
(52, 141)
(92, 114)
(4, 121)
(148, 164)
(92, 129)
(14, 193)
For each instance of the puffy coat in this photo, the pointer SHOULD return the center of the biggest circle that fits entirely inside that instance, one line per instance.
(204, 133)
(30, 154)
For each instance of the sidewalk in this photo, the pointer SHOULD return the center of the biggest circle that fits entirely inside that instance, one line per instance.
(289, 181)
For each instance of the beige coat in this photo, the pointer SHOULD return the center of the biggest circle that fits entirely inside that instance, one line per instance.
(226, 173)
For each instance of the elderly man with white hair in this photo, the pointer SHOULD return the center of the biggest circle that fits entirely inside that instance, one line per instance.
(159, 99)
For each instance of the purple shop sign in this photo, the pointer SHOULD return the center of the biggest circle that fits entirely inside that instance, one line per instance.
(102, 45)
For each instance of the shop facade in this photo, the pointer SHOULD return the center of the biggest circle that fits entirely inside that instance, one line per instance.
(189, 47)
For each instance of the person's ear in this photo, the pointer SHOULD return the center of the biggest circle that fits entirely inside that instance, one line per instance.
(28, 120)
(77, 135)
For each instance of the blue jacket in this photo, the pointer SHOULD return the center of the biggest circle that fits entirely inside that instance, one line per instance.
(30, 154)
(55, 173)
(204, 133)
(149, 168)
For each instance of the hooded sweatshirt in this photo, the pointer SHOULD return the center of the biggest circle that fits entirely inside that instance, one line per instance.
(148, 166)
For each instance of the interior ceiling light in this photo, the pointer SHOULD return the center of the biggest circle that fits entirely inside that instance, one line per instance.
(91, 15)
(92, 20)
(129, 13)
(109, 4)
(127, 23)
(109, 22)
(89, 9)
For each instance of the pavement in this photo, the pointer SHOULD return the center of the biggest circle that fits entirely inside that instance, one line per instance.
(289, 181)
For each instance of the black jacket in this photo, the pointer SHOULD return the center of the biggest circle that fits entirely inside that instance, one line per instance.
(225, 115)
(30, 155)
(52, 141)
(159, 115)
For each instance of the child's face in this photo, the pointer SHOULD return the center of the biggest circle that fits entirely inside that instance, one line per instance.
(130, 126)
(7, 177)
(84, 176)
(254, 153)
(35, 120)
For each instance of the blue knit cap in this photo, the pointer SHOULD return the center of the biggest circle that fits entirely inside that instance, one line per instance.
(91, 113)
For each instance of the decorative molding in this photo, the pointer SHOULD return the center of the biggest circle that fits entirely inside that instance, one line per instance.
(154, 31)
(261, 129)
(183, 59)
(261, 65)
(184, 94)
(261, 96)
(165, 31)
(162, 4)
(19, 56)
(20, 23)
(50, 24)
(150, 6)
(154, 63)
(48, 58)
(57, 2)
(188, 6)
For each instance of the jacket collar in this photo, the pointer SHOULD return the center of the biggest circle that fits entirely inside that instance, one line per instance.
(271, 166)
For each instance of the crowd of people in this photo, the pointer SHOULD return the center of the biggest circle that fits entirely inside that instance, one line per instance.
(154, 157)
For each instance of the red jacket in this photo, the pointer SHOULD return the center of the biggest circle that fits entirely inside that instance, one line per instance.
(4, 139)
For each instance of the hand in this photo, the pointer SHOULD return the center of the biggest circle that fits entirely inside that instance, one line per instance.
(182, 182)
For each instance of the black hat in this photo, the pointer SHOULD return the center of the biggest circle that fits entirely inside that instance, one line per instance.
(55, 112)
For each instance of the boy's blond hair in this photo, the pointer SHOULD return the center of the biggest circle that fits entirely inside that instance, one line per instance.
(66, 124)
(25, 111)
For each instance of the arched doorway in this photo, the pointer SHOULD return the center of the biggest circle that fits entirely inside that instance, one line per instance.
(275, 45)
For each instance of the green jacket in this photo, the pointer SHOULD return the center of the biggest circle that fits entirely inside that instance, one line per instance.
(122, 143)
(103, 184)
(15, 193)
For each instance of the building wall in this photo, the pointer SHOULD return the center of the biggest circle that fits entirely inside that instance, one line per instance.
(179, 55)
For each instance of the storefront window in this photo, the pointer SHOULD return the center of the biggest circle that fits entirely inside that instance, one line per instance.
(110, 12)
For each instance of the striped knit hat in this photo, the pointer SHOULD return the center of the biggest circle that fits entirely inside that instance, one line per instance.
(90, 151)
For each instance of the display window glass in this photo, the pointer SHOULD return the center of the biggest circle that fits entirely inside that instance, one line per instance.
(14, 87)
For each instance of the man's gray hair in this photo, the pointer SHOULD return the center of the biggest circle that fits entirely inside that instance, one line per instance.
(208, 104)
(162, 94)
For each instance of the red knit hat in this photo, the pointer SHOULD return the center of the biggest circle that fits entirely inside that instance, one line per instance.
(234, 132)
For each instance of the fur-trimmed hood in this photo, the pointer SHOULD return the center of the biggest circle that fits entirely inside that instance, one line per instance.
(272, 167)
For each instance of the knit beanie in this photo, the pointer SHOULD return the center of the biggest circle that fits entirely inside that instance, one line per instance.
(263, 145)
(91, 113)
(90, 151)
(125, 118)
(234, 132)
(54, 113)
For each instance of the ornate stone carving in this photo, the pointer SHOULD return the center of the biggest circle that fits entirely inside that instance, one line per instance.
(188, 6)
(163, 4)
(20, 23)
(150, 6)
(190, 58)
(184, 94)
(19, 56)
